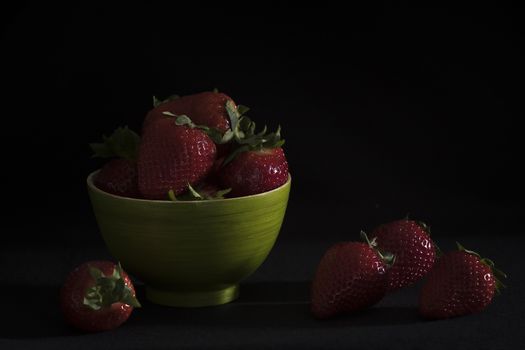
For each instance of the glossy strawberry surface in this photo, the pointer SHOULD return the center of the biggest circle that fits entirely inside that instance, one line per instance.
(119, 177)
(254, 172)
(171, 157)
(459, 284)
(351, 276)
(205, 108)
(81, 316)
(412, 247)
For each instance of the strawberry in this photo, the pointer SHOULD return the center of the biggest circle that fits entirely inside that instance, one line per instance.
(172, 155)
(258, 164)
(415, 251)
(205, 108)
(119, 175)
(460, 283)
(209, 109)
(255, 171)
(351, 276)
(97, 296)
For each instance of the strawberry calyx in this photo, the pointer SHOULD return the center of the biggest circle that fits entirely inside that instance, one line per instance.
(387, 257)
(424, 226)
(497, 273)
(108, 290)
(243, 133)
(123, 143)
(198, 194)
(215, 134)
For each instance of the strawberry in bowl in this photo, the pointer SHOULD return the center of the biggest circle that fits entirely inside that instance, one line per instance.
(119, 175)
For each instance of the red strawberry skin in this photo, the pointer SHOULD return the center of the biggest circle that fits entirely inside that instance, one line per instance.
(171, 156)
(350, 277)
(412, 247)
(459, 284)
(205, 108)
(254, 172)
(82, 317)
(119, 177)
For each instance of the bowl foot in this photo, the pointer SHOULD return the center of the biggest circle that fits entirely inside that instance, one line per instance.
(192, 298)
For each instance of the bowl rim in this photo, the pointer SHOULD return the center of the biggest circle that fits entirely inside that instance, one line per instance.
(91, 186)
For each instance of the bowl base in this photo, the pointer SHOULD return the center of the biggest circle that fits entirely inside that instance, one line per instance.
(193, 298)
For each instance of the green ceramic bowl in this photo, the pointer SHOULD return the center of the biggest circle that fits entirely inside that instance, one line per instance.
(191, 253)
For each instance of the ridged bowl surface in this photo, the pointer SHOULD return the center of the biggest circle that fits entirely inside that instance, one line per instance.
(190, 253)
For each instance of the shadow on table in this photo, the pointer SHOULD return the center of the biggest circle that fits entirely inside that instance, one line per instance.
(32, 312)
(273, 305)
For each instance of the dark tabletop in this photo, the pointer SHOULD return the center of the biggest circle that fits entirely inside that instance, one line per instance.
(272, 311)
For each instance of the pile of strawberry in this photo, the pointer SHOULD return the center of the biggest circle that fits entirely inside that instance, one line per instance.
(352, 276)
(200, 146)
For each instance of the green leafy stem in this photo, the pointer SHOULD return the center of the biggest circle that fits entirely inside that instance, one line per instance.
(108, 290)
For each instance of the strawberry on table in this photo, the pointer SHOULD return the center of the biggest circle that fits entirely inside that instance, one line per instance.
(119, 175)
(97, 296)
(351, 276)
(173, 154)
(415, 251)
(460, 283)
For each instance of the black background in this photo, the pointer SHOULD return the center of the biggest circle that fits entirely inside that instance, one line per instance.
(386, 111)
